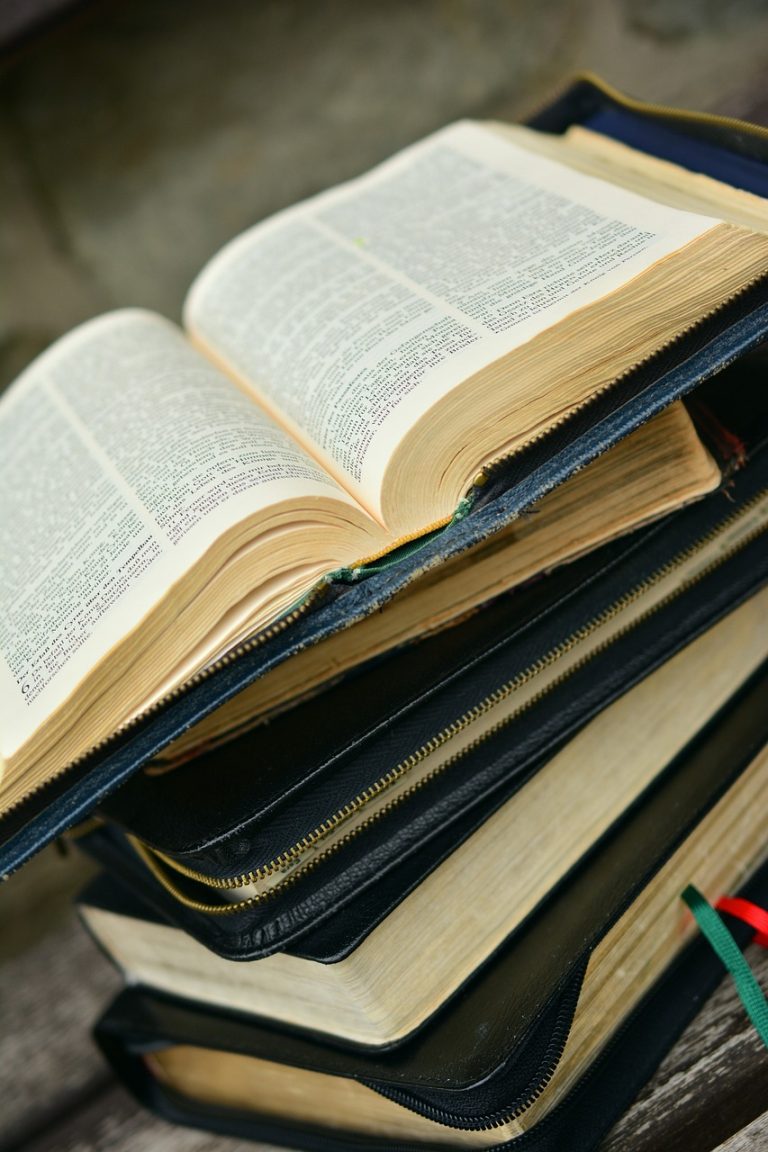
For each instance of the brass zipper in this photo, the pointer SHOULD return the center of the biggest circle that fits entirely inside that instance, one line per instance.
(480, 479)
(537, 1086)
(157, 862)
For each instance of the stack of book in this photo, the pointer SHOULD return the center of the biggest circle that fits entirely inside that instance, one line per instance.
(402, 622)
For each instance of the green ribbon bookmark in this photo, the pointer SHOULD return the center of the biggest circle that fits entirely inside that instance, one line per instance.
(723, 943)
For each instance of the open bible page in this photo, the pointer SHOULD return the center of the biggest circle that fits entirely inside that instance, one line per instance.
(352, 314)
(124, 456)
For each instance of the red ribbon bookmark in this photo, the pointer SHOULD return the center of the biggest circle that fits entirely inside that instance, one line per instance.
(750, 913)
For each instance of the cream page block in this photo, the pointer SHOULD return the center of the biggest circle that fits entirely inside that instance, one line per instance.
(353, 313)
(156, 454)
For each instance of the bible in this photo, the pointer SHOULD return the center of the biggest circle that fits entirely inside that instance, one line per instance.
(442, 932)
(352, 372)
(534, 1025)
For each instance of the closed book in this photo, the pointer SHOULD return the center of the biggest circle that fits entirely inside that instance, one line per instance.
(548, 1039)
(614, 804)
(318, 805)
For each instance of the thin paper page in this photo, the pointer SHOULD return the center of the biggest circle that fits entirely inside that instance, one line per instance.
(124, 455)
(353, 313)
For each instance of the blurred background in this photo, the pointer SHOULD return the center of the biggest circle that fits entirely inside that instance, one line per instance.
(136, 136)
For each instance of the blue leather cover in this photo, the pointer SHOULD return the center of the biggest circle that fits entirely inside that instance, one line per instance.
(696, 155)
(729, 334)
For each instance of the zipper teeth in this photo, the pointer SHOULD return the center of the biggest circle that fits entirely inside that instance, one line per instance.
(562, 1027)
(482, 475)
(559, 1037)
(156, 859)
(402, 542)
(241, 650)
(558, 1040)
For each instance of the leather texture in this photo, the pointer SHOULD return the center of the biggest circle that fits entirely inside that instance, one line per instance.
(732, 332)
(363, 879)
(284, 778)
(236, 809)
(585, 102)
(470, 789)
(512, 1010)
(137, 1022)
(588, 900)
(455, 671)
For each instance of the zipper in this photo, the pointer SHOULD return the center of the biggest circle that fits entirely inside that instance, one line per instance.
(369, 565)
(406, 546)
(561, 1030)
(558, 1038)
(290, 860)
(360, 569)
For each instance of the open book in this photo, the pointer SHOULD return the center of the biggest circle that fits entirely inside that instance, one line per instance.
(348, 369)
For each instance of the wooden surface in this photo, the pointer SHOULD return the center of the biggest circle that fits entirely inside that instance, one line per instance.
(57, 1096)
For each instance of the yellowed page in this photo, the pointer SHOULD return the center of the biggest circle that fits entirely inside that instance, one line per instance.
(716, 857)
(510, 699)
(487, 886)
(353, 314)
(124, 455)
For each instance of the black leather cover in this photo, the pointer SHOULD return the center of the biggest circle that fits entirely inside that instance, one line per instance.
(465, 792)
(492, 1044)
(479, 1057)
(541, 961)
(728, 334)
(283, 778)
